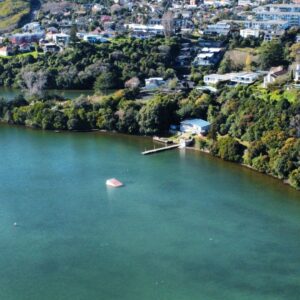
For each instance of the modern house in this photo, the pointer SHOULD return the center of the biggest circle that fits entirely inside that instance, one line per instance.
(245, 78)
(286, 12)
(51, 48)
(95, 38)
(236, 78)
(217, 3)
(61, 39)
(220, 28)
(195, 126)
(248, 32)
(213, 79)
(154, 83)
(154, 29)
(208, 56)
(271, 35)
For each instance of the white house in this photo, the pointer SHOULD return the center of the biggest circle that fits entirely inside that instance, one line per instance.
(247, 32)
(245, 78)
(195, 126)
(220, 28)
(217, 3)
(286, 12)
(61, 39)
(156, 29)
(216, 78)
(154, 82)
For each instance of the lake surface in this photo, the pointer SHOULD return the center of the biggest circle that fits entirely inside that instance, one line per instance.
(186, 226)
(10, 93)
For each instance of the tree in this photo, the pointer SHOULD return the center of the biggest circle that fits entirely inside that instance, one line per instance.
(294, 178)
(73, 33)
(33, 82)
(105, 81)
(229, 149)
(271, 54)
(132, 83)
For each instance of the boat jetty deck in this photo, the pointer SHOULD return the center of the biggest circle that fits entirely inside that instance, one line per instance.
(156, 150)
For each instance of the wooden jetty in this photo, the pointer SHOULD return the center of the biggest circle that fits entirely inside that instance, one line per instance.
(156, 150)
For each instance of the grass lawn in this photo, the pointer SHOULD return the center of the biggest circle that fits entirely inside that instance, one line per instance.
(35, 54)
(11, 12)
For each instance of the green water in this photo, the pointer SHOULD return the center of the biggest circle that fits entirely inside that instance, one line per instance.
(185, 226)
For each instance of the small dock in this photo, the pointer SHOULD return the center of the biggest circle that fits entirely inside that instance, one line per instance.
(153, 151)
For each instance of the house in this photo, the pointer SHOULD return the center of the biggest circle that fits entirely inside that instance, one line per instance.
(95, 38)
(208, 56)
(271, 35)
(51, 48)
(217, 3)
(6, 51)
(286, 12)
(213, 79)
(61, 39)
(220, 28)
(245, 78)
(247, 3)
(273, 75)
(245, 33)
(266, 25)
(195, 126)
(155, 29)
(154, 83)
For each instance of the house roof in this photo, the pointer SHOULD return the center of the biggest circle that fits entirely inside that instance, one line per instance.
(195, 122)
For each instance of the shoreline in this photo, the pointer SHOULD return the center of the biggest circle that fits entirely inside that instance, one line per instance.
(284, 182)
(193, 148)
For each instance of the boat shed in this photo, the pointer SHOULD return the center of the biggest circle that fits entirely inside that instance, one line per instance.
(195, 126)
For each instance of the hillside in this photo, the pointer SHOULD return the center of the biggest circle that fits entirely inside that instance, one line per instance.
(11, 12)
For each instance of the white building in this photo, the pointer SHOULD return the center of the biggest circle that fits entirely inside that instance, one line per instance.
(61, 39)
(220, 28)
(156, 29)
(247, 32)
(247, 3)
(216, 78)
(195, 126)
(217, 3)
(154, 82)
(286, 12)
(245, 78)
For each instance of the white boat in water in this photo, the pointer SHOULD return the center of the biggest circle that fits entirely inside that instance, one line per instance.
(113, 182)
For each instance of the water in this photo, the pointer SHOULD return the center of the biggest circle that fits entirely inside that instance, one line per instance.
(10, 93)
(185, 226)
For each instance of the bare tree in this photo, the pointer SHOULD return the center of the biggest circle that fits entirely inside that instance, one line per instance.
(132, 83)
(168, 23)
(33, 82)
